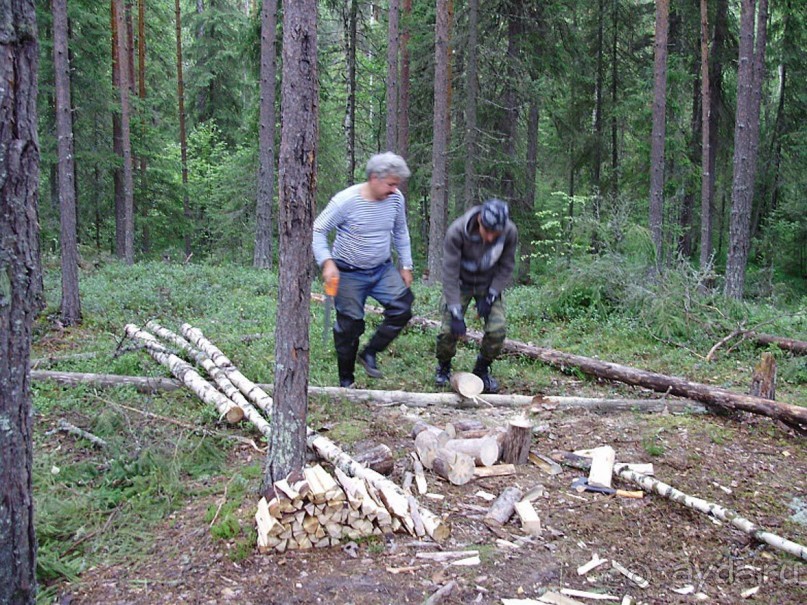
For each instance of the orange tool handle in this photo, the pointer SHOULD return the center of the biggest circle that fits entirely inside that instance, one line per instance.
(332, 286)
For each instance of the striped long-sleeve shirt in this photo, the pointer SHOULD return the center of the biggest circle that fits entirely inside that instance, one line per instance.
(364, 229)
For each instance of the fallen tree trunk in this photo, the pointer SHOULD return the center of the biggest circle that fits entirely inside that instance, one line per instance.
(217, 374)
(184, 372)
(799, 347)
(150, 385)
(145, 384)
(793, 415)
(650, 484)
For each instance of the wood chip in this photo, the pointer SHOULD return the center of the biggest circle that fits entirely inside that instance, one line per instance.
(596, 596)
(633, 577)
(594, 563)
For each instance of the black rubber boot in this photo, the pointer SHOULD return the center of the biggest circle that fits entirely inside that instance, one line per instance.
(367, 359)
(346, 367)
(443, 374)
(482, 369)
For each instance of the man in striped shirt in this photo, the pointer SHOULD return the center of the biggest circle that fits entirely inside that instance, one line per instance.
(369, 219)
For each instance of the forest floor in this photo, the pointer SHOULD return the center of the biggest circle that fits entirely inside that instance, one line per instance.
(751, 466)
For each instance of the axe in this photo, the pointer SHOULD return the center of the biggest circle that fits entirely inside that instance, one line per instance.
(331, 288)
(581, 484)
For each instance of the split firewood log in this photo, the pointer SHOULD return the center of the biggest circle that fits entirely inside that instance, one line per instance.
(455, 467)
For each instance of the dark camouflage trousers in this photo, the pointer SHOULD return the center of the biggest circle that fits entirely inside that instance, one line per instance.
(495, 329)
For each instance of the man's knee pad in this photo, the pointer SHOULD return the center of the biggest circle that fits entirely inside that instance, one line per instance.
(399, 311)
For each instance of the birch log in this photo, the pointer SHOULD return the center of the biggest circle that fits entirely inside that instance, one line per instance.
(792, 415)
(483, 450)
(383, 398)
(503, 507)
(217, 374)
(650, 484)
(253, 391)
(185, 373)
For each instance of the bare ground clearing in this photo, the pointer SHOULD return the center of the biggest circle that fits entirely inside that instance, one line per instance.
(752, 467)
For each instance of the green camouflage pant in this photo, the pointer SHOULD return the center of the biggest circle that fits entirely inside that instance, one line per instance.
(495, 329)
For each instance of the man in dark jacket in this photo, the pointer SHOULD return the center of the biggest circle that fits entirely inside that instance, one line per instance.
(478, 260)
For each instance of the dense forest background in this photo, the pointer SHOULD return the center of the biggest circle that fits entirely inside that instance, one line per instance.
(549, 105)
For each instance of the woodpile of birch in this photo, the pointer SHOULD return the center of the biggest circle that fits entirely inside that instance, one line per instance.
(319, 510)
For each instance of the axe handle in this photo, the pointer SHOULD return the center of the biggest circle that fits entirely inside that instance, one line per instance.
(629, 494)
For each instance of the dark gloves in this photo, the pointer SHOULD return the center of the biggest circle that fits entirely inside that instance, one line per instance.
(484, 305)
(458, 328)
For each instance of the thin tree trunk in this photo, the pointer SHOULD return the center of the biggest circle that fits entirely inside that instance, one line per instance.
(439, 184)
(117, 138)
(124, 86)
(529, 189)
(70, 308)
(403, 103)
(685, 242)
(470, 194)
(262, 257)
(707, 158)
(598, 130)
(614, 87)
(659, 127)
(746, 136)
(20, 294)
(183, 137)
(141, 93)
(298, 154)
(351, 19)
(392, 88)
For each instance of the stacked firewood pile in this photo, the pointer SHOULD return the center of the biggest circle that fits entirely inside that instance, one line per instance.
(319, 511)
(312, 510)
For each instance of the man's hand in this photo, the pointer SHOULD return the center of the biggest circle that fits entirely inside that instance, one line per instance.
(458, 328)
(484, 305)
(329, 271)
(407, 276)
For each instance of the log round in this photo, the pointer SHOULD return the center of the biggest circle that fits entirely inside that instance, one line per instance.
(454, 467)
(483, 450)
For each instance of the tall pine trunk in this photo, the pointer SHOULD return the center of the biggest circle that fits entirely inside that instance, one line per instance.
(262, 257)
(439, 187)
(142, 164)
(298, 163)
(393, 82)
(403, 103)
(70, 307)
(124, 85)
(470, 196)
(20, 295)
(183, 136)
(746, 140)
(117, 138)
(659, 126)
(707, 157)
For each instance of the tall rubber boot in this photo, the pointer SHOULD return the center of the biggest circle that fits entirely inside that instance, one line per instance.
(482, 369)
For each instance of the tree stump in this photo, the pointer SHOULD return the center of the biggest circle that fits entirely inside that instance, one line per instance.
(763, 380)
(516, 445)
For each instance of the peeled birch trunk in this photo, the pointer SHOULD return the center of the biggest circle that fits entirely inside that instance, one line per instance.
(217, 374)
(253, 391)
(651, 484)
(186, 374)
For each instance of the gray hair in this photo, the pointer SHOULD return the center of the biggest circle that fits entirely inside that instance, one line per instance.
(387, 164)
